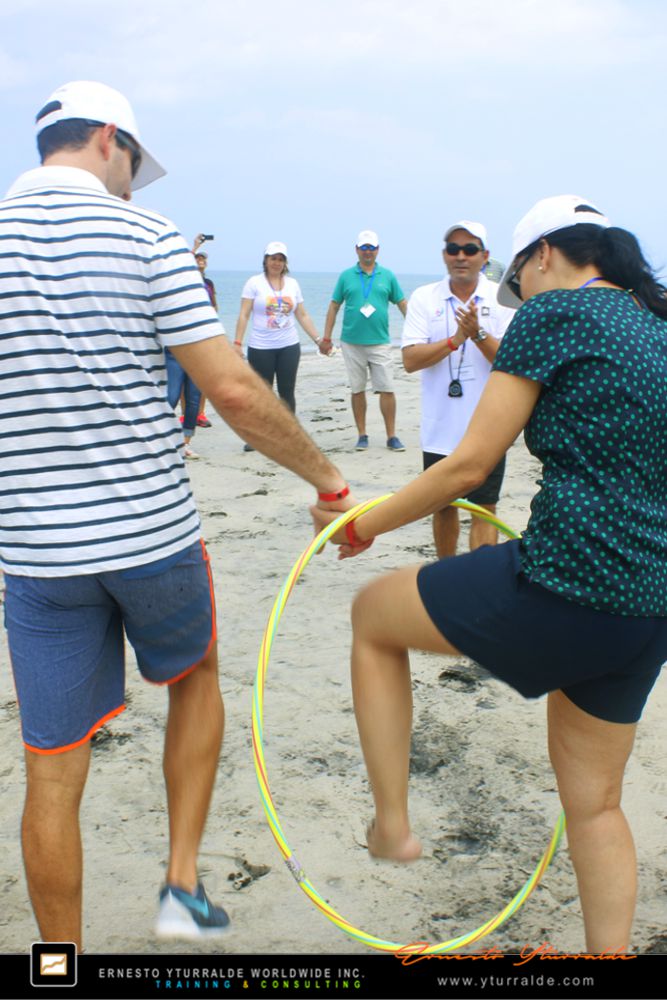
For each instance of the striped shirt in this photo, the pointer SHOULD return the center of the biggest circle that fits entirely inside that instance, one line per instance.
(92, 289)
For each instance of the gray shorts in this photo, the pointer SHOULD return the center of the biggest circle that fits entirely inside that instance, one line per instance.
(362, 358)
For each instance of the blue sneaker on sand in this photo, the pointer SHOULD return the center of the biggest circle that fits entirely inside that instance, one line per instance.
(186, 915)
(362, 443)
(394, 444)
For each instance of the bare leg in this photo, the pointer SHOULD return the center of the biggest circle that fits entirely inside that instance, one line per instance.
(191, 750)
(388, 618)
(446, 531)
(482, 533)
(388, 411)
(359, 411)
(589, 758)
(52, 841)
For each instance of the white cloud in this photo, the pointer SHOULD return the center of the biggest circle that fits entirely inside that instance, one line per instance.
(170, 51)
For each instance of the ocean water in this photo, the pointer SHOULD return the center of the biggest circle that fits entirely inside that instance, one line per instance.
(316, 288)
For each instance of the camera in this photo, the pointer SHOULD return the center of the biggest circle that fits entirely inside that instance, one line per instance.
(205, 237)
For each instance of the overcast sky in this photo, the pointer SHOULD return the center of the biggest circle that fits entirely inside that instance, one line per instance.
(306, 121)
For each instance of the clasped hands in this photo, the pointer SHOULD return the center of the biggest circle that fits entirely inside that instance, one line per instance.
(468, 321)
(324, 512)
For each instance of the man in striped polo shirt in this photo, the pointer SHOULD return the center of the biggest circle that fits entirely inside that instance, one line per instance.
(99, 534)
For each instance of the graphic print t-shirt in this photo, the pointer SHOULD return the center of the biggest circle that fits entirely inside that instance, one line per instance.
(273, 323)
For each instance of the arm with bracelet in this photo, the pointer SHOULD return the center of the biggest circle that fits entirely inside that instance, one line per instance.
(417, 356)
(502, 413)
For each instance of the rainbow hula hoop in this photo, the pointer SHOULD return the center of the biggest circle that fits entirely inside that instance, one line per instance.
(265, 792)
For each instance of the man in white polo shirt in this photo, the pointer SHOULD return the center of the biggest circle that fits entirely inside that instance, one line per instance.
(99, 534)
(451, 334)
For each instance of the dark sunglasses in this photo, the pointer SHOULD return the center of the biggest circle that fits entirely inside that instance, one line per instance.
(469, 249)
(367, 246)
(126, 141)
(513, 282)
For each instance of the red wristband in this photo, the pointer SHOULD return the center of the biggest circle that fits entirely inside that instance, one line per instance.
(331, 497)
(353, 537)
(239, 342)
(451, 345)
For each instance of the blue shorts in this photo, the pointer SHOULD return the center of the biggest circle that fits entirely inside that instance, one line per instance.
(537, 641)
(66, 640)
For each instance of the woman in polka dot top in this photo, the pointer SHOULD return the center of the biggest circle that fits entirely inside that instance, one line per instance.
(577, 608)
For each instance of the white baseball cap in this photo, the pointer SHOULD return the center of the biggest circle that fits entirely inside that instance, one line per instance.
(96, 102)
(547, 216)
(275, 247)
(475, 229)
(368, 237)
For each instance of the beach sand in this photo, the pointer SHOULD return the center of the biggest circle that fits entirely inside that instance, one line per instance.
(483, 796)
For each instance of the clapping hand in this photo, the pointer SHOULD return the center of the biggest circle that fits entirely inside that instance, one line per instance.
(468, 321)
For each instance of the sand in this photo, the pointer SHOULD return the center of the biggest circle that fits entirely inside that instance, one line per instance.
(483, 796)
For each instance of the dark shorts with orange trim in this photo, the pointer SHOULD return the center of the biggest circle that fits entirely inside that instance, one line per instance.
(66, 640)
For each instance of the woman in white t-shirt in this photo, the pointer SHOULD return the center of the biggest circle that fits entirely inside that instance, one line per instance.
(275, 301)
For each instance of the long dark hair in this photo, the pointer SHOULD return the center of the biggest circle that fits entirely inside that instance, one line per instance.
(617, 255)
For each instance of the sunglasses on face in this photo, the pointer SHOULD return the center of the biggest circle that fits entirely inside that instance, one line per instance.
(126, 141)
(367, 246)
(513, 282)
(469, 249)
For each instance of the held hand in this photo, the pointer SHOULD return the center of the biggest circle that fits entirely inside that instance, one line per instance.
(334, 506)
(324, 513)
(325, 347)
(468, 321)
(239, 349)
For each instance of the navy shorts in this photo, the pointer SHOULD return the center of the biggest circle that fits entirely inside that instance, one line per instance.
(488, 492)
(536, 641)
(66, 640)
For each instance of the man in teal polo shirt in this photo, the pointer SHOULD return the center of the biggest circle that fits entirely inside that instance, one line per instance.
(367, 289)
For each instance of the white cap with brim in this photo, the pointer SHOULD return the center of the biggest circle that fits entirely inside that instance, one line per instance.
(368, 238)
(547, 216)
(275, 247)
(475, 229)
(96, 102)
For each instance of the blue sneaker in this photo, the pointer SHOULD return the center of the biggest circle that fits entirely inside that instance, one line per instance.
(186, 915)
(394, 444)
(362, 443)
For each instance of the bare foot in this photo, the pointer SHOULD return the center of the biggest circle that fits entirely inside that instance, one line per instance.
(393, 848)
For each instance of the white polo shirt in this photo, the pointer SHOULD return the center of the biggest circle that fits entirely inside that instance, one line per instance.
(431, 317)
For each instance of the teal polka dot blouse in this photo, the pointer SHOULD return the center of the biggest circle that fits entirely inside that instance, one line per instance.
(597, 532)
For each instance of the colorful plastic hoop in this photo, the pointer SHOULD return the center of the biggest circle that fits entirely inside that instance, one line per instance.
(265, 792)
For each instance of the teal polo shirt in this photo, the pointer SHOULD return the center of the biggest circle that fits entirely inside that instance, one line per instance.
(356, 288)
